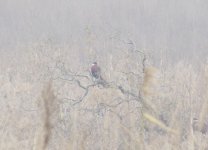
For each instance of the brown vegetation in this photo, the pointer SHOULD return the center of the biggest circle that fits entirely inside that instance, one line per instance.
(55, 105)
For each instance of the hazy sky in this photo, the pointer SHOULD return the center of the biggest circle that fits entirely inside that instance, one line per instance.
(179, 26)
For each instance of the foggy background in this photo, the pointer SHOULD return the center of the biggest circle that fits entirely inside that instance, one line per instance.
(152, 55)
(179, 27)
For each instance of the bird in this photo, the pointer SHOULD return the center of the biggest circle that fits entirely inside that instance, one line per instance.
(95, 71)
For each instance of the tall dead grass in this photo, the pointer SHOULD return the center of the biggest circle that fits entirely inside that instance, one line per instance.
(107, 119)
(49, 108)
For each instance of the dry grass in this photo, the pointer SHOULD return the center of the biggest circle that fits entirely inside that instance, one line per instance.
(40, 118)
(49, 107)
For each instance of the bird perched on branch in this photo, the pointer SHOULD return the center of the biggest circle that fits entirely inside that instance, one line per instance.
(95, 72)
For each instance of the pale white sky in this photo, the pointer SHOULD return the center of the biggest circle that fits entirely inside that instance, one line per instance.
(179, 26)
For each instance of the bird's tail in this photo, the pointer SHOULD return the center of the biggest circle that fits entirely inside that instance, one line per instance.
(103, 82)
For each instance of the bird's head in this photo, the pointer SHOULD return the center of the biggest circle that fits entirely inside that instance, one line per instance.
(94, 63)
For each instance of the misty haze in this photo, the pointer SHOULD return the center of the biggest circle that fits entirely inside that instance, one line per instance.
(99, 75)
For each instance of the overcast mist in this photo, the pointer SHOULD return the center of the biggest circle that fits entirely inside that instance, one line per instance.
(179, 27)
(104, 74)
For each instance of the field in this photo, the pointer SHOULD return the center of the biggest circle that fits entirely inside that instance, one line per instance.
(49, 101)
